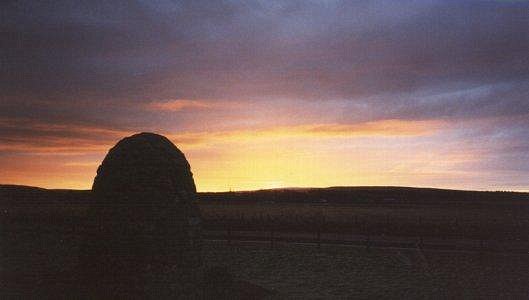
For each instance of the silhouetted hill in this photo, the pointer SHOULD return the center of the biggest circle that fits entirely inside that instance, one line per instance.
(27, 199)
(370, 195)
(12, 196)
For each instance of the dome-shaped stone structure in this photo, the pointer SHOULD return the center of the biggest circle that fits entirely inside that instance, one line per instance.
(147, 224)
(144, 164)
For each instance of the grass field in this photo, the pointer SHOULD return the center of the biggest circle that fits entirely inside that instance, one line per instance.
(412, 220)
(299, 271)
(339, 272)
(42, 234)
(363, 210)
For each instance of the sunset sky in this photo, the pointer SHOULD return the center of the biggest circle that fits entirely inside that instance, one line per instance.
(266, 94)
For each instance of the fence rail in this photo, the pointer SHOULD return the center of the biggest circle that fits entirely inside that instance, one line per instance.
(456, 234)
(367, 241)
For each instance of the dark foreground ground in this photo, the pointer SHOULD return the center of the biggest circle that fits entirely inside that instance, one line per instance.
(307, 272)
(42, 233)
(295, 271)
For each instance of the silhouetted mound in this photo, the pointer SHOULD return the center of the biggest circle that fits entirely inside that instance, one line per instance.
(142, 166)
(146, 231)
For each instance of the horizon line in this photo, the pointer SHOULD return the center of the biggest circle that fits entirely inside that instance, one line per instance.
(301, 188)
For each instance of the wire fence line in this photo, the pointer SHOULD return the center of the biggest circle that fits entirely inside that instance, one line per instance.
(387, 231)
(459, 235)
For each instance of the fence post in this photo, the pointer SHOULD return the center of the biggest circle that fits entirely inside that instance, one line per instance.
(318, 237)
(354, 227)
(242, 220)
(481, 251)
(272, 237)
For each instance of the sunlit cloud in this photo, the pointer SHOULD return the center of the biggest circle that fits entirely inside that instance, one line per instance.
(178, 105)
(89, 164)
(384, 128)
(29, 137)
(271, 93)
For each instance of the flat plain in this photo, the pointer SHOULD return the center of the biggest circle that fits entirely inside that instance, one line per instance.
(297, 271)
(43, 231)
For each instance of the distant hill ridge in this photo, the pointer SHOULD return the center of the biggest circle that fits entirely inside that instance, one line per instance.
(19, 195)
(371, 195)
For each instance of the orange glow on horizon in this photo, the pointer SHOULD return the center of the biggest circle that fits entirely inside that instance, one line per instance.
(389, 152)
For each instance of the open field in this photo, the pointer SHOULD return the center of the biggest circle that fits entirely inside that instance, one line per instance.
(410, 213)
(308, 272)
(43, 231)
(42, 257)
(501, 223)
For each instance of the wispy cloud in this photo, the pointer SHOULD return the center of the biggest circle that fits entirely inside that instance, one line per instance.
(384, 128)
(80, 77)
(33, 137)
(178, 105)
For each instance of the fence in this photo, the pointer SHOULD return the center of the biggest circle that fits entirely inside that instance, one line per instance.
(457, 234)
